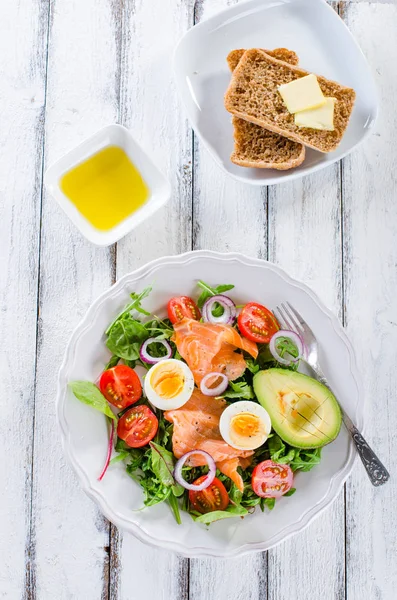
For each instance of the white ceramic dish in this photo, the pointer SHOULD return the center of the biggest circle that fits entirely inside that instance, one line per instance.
(309, 27)
(117, 135)
(84, 430)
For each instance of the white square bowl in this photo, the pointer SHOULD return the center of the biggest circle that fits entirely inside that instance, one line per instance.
(324, 45)
(117, 135)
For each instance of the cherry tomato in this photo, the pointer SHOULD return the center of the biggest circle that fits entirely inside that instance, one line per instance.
(257, 323)
(271, 480)
(137, 426)
(182, 306)
(120, 386)
(214, 497)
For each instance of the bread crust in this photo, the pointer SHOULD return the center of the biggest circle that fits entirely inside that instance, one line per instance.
(256, 147)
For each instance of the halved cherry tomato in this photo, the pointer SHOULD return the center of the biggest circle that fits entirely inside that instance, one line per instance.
(271, 480)
(137, 426)
(257, 323)
(214, 497)
(120, 386)
(182, 306)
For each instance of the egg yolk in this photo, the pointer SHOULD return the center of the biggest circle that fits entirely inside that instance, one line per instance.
(246, 427)
(167, 382)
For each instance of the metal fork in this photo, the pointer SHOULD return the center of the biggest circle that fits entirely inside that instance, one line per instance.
(289, 318)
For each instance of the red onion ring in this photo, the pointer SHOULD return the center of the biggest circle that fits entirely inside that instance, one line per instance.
(151, 360)
(219, 389)
(210, 475)
(229, 310)
(109, 453)
(295, 339)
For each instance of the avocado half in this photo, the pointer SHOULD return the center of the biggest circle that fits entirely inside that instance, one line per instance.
(303, 412)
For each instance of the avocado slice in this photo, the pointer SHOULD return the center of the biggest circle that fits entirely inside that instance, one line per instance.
(303, 412)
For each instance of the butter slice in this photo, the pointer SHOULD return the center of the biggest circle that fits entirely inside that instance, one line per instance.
(302, 94)
(321, 117)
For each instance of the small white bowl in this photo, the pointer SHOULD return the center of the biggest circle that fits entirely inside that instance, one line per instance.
(117, 135)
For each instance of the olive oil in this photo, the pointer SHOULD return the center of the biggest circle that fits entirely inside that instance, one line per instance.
(106, 188)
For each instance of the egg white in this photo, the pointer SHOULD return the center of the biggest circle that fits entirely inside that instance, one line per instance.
(182, 397)
(237, 408)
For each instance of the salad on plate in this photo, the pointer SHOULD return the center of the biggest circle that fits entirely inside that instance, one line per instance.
(207, 409)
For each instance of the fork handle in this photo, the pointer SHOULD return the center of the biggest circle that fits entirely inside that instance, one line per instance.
(376, 471)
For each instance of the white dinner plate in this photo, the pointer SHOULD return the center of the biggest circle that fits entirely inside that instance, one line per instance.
(85, 434)
(324, 45)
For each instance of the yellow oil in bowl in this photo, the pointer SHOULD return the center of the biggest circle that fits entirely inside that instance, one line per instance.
(106, 188)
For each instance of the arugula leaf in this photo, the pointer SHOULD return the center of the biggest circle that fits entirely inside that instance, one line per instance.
(126, 337)
(154, 491)
(88, 393)
(216, 515)
(209, 291)
(288, 458)
(297, 458)
(160, 328)
(276, 447)
(290, 492)
(252, 366)
(134, 305)
(119, 457)
(305, 460)
(239, 389)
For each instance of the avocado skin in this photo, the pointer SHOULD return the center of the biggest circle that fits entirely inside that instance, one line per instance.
(272, 385)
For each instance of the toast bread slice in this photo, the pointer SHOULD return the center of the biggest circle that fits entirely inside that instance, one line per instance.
(252, 95)
(257, 147)
(289, 56)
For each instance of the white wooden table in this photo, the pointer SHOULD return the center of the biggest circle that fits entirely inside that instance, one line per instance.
(68, 67)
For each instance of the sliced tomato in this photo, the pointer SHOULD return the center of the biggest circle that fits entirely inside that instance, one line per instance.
(137, 426)
(257, 323)
(182, 306)
(120, 386)
(271, 480)
(214, 497)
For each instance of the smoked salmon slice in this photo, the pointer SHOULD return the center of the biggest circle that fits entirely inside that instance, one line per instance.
(211, 347)
(196, 427)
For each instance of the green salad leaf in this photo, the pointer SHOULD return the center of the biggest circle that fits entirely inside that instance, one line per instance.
(162, 463)
(126, 337)
(135, 305)
(269, 502)
(305, 460)
(208, 291)
(216, 515)
(173, 502)
(88, 393)
(298, 458)
(252, 365)
(239, 389)
(119, 457)
(113, 362)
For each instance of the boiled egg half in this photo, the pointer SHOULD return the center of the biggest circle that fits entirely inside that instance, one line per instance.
(245, 425)
(169, 384)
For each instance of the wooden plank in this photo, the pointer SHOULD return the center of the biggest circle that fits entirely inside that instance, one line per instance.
(305, 239)
(228, 216)
(150, 108)
(70, 538)
(23, 41)
(370, 257)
